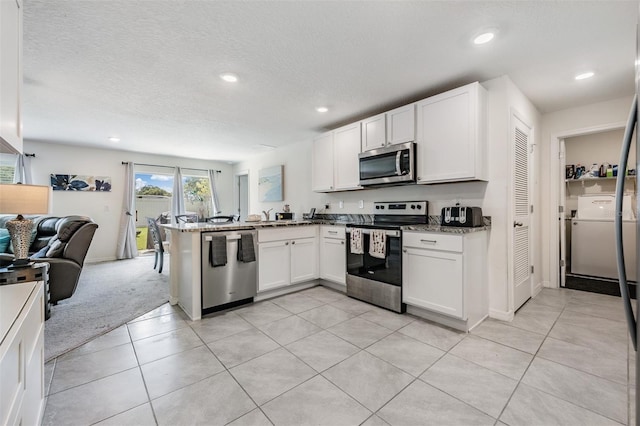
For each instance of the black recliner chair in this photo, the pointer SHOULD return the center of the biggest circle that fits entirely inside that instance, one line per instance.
(62, 242)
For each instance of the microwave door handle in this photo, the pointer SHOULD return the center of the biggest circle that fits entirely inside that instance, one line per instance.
(398, 171)
(622, 168)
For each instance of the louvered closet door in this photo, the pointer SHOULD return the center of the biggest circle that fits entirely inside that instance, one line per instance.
(520, 134)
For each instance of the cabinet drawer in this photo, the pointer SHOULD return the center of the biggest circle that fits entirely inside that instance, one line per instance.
(287, 233)
(433, 241)
(333, 232)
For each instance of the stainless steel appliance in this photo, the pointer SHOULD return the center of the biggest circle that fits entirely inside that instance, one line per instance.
(461, 216)
(393, 165)
(379, 280)
(233, 280)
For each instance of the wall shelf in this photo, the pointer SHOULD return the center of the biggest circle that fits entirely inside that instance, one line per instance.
(592, 180)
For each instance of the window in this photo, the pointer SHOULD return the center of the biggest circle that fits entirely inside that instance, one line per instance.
(7, 167)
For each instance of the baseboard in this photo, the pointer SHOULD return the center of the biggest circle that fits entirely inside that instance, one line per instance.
(537, 289)
(501, 315)
(100, 260)
(334, 286)
(285, 290)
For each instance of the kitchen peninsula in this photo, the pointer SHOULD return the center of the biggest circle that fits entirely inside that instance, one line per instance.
(187, 256)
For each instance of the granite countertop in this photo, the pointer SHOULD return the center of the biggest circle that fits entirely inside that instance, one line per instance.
(234, 226)
(445, 229)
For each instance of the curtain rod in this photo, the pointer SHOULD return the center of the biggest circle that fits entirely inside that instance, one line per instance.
(29, 155)
(168, 167)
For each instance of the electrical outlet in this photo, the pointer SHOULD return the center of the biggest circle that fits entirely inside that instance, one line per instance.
(341, 204)
(361, 204)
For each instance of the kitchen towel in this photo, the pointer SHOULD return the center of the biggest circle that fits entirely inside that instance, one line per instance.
(378, 244)
(218, 251)
(356, 241)
(246, 253)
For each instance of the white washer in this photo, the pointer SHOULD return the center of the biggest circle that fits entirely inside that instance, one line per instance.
(593, 249)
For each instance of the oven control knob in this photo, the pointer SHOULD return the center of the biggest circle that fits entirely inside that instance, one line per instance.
(413, 206)
(419, 207)
(377, 207)
(382, 207)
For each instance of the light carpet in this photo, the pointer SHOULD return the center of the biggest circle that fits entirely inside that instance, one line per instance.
(109, 294)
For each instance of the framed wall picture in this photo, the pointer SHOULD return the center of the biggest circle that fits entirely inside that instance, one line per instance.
(81, 183)
(270, 184)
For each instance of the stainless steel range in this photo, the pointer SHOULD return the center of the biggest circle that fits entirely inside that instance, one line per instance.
(374, 253)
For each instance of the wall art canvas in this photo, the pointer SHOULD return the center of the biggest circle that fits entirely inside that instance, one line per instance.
(270, 184)
(81, 183)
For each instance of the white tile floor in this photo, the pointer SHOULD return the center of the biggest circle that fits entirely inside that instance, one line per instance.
(318, 357)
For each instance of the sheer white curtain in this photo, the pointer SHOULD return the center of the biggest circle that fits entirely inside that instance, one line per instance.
(127, 238)
(213, 188)
(22, 172)
(177, 198)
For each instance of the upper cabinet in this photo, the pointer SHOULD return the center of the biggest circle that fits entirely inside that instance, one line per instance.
(335, 160)
(392, 127)
(451, 136)
(10, 76)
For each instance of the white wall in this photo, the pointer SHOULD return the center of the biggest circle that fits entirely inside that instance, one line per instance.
(569, 122)
(105, 208)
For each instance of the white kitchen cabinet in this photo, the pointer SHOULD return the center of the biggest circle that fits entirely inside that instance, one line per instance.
(374, 133)
(392, 127)
(274, 263)
(304, 263)
(451, 136)
(286, 256)
(335, 164)
(322, 163)
(22, 353)
(401, 124)
(10, 76)
(346, 147)
(445, 274)
(333, 261)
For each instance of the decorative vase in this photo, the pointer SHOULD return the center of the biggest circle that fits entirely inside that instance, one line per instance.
(20, 232)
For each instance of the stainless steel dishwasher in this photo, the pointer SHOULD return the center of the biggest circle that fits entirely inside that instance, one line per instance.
(233, 280)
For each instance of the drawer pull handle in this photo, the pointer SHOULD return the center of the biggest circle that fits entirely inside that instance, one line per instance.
(333, 232)
(429, 241)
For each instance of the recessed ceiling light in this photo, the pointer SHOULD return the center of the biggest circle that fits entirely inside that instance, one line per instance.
(484, 37)
(114, 139)
(322, 109)
(584, 75)
(229, 78)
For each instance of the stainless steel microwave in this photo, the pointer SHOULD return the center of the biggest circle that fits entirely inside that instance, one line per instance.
(392, 165)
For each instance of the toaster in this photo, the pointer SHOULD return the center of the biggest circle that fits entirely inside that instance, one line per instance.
(461, 216)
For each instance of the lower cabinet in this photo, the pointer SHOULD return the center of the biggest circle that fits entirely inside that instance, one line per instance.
(333, 260)
(22, 353)
(287, 256)
(445, 273)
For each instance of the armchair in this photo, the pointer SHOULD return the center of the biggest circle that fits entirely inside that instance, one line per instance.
(61, 242)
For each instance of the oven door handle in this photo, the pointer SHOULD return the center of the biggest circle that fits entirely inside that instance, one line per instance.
(388, 233)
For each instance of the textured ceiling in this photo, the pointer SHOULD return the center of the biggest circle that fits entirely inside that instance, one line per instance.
(147, 71)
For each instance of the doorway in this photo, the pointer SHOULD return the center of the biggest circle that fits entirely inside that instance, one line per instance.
(241, 189)
(588, 207)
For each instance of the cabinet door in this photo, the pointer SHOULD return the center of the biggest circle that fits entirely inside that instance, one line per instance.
(10, 76)
(333, 261)
(373, 132)
(273, 267)
(322, 163)
(304, 259)
(401, 124)
(448, 136)
(346, 147)
(433, 280)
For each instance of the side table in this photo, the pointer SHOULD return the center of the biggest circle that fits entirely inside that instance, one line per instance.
(36, 272)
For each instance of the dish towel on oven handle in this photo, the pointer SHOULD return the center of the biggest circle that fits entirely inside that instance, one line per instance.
(378, 244)
(356, 241)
